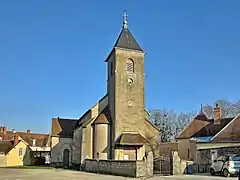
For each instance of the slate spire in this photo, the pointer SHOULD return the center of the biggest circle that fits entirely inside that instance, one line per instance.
(125, 39)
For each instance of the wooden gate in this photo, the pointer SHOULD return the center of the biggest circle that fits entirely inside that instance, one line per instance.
(163, 165)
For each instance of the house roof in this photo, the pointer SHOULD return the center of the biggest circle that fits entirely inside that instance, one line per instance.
(201, 126)
(41, 139)
(194, 126)
(211, 129)
(63, 127)
(130, 139)
(5, 146)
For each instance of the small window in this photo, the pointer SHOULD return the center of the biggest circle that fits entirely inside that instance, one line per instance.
(20, 152)
(130, 66)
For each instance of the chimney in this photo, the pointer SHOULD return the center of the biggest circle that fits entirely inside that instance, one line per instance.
(15, 139)
(217, 114)
(4, 129)
(28, 131)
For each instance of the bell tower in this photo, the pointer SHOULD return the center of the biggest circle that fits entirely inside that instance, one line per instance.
(125, 86)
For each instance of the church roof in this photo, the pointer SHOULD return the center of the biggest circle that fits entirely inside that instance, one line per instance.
(129, 139)
(63, 127)
(127, 41)
(103, 117)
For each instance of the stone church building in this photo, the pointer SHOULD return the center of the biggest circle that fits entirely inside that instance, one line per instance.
(117, 127)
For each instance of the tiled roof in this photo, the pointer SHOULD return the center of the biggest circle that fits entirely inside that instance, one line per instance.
(103, 117)
(211, 129)
(63, 127)
(194, 126)
(5, 146)
(41, 140)
(130, 139)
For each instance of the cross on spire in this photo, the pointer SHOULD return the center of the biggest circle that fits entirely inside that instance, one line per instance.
(125, 25)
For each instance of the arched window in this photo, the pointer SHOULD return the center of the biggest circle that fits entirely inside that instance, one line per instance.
(130, 66)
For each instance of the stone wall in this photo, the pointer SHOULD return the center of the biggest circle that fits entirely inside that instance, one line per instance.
(121, 168)
(179, 165)
(142, 168)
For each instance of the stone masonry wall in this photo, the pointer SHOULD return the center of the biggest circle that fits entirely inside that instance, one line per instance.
(121, 168)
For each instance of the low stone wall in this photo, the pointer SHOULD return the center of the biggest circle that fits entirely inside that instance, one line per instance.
(57, 164)
(121, 168)
(117, 167)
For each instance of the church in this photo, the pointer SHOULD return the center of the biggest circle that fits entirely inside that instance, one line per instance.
(117, 127)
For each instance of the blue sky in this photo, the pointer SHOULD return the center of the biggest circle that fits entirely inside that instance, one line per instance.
(52, 55)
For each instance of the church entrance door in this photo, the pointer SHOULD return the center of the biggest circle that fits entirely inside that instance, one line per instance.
(65, 158)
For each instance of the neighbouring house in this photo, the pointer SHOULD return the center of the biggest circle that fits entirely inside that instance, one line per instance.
(204, 139)
(117, 127)
(38, 144)
(14, 152)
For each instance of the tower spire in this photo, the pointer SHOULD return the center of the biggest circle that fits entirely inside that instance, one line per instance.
(125, 24)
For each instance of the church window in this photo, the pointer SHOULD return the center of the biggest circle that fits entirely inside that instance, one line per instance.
(130, 66)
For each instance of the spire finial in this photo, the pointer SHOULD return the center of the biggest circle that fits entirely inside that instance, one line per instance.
(125, 25)
(201, 108)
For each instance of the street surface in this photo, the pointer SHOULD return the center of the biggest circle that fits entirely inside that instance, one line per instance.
(61, 174)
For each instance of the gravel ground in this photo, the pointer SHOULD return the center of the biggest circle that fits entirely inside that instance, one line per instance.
(61, 174)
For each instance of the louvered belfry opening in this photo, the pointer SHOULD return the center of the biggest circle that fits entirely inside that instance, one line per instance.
(130, 66)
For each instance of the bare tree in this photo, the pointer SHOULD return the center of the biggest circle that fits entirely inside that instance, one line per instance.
(171, 123)
(208, 109)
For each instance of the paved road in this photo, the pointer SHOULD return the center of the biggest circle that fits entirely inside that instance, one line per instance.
(60, 174)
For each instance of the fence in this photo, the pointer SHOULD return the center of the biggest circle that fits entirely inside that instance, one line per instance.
(163, 166)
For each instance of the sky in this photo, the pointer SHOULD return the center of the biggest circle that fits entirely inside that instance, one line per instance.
(52, 55)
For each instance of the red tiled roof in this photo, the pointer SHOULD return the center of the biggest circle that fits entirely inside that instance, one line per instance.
(5, 146)
(41, 139)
